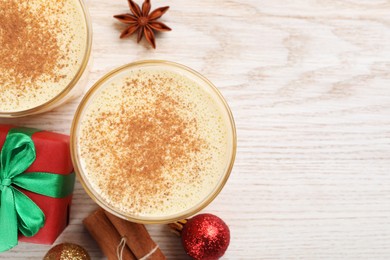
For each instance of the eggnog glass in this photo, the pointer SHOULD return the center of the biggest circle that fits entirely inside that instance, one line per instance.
(153, 142)
(45, 49)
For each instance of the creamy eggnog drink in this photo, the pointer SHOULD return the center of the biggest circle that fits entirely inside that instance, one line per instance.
(45, 46)
(153, 142)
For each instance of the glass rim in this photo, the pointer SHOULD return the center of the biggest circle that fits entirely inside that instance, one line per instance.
(71, 85)
(141, 219)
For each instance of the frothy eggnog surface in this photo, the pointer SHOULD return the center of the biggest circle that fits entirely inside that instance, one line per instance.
(43, 44)
(153, 142)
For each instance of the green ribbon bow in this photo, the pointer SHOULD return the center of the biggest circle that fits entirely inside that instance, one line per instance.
(17, 211)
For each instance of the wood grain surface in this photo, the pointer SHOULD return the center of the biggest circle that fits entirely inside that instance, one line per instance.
(308, 82)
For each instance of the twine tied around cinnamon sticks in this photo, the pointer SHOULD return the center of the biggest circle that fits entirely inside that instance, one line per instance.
(150, 253)
(121, 246)
(119, 249)
(121, 239)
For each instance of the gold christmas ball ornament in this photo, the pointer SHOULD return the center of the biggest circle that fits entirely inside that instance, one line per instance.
(67, 251)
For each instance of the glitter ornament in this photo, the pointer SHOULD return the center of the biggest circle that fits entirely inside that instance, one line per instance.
(205, 237)
(67, 251)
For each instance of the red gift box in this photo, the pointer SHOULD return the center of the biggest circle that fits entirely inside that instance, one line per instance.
(53, 156)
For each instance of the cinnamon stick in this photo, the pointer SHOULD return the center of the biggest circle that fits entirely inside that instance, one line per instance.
(105, 234)
(177, 227)
(137, 238)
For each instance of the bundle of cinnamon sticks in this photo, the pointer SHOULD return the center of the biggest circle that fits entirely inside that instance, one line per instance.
(121, 239)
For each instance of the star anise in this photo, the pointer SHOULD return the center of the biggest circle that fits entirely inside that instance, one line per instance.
(143, 21)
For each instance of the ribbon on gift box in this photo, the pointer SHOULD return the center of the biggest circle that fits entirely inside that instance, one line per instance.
(17, 211)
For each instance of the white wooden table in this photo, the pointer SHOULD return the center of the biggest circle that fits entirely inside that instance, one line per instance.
(308, 82)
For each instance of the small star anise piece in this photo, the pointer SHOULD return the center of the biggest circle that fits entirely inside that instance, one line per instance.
(143, 21)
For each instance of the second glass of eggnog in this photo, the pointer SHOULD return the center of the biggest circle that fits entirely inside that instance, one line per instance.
(45, 49)
(153, 142)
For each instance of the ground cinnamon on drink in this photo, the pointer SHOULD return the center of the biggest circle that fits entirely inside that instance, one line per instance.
(29, 47)
(146, 141)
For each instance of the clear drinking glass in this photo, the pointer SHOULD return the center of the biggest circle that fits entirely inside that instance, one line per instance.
(74, 87)
(95, 94)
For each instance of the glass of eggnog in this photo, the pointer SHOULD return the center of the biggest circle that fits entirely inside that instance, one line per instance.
(153, 142)
(45, 48)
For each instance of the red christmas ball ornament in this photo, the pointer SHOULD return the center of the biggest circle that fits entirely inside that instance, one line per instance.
(205, 237)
